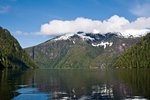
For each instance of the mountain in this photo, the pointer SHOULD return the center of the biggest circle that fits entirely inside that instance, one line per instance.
(138, 56)
(80, 50)
(11, 53)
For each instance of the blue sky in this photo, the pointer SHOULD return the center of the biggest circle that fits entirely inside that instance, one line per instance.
(23, 18)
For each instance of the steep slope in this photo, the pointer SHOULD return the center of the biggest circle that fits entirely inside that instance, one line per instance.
(138, 56)
(11, 53)
(80, 50)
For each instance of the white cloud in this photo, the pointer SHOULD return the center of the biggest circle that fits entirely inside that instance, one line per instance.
(114, 24)
(4, 9)
(141, 9)
(22, 33)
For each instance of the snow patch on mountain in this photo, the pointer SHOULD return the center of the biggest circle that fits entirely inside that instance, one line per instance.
(64, 37)
(104, 44)
(73, 42)
(84, 37)
(68, 36)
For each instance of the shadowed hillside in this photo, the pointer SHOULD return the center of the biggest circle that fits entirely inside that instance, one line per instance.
(11, 53)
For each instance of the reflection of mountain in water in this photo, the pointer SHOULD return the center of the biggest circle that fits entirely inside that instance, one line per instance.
(97, 92)
(102, 92)
(75, 85)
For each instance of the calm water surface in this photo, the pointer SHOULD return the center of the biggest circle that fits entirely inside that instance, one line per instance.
(75, 84)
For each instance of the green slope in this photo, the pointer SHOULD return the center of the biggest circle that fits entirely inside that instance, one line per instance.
(64, 54)
(48, 54)
(138, 56)
(11, 53)
(81, 55)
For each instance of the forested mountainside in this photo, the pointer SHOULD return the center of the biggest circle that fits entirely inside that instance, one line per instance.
(138, 56)
(11, 53)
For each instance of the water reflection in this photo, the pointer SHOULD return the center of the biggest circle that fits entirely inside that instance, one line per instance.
(103, 92)
(30, 93)
(48, 84)
(8, 83)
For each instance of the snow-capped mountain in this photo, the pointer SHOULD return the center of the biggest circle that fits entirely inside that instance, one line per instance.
(96, 40)
(81, 50)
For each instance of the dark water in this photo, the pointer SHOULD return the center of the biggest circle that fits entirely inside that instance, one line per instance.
(81, 84)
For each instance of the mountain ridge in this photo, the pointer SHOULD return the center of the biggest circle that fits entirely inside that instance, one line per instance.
(82, 50)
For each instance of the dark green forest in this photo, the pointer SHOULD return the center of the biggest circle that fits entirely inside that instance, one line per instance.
(138, 56)
(11, 53)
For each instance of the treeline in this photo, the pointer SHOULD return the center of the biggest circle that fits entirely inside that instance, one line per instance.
(138, 56)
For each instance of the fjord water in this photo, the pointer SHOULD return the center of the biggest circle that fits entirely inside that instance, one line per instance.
(76, 84)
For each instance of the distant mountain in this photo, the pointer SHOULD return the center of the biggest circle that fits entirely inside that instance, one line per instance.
(11, 53)
(138, 56)
(80, 50)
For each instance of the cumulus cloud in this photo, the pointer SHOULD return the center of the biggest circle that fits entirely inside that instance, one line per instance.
(4, 9)
(114, 24)
(141, 9)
